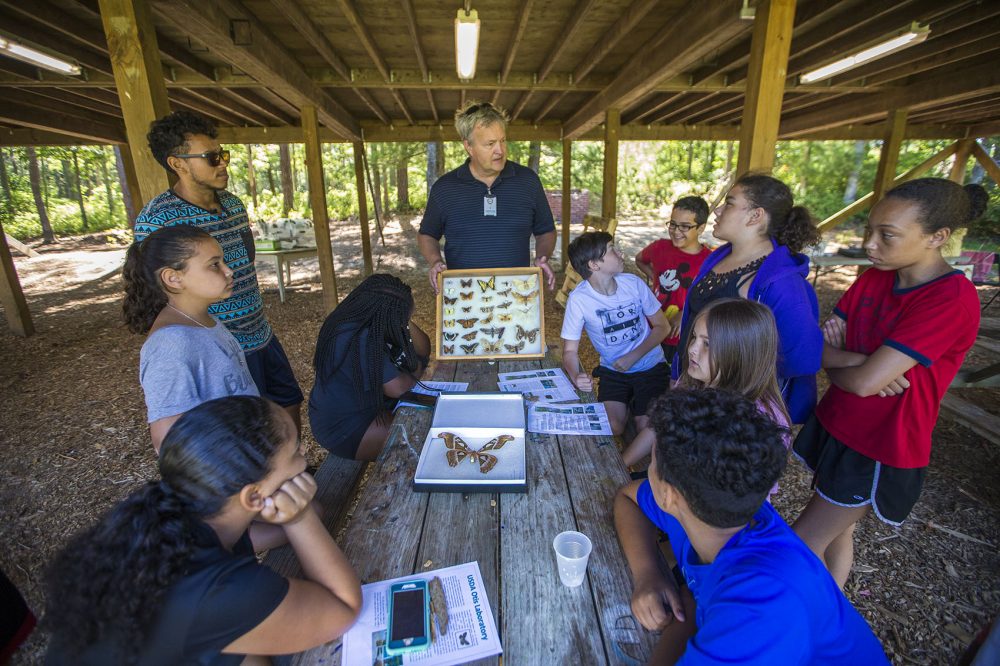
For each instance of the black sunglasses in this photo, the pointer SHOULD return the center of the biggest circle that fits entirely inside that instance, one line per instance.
(214, 158)
(476, 107)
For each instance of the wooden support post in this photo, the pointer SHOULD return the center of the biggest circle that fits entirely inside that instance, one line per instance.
(128, 181)
(768, 68)
(359, 176)
(983, 157)
(317, 200)
(895, 129)
(11, 295)
(961, 161)
(567, 200)
(609, 193)
(135, 59)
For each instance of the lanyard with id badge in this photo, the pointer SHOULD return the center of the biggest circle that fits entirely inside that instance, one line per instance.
(489, 204)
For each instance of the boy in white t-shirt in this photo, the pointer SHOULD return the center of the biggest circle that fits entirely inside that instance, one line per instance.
(624, 323)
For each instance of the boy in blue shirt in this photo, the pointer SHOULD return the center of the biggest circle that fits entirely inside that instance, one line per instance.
(746, 589)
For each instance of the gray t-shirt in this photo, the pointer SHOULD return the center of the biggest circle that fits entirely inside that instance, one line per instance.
(181, 367)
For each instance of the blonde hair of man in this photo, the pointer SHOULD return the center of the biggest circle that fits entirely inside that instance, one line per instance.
(478, 114)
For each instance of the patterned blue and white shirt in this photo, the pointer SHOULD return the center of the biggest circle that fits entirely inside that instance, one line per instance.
(243, 311)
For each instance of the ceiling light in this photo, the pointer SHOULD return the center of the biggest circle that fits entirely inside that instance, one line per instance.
(35, 56)
(466, 43)
(914, 35)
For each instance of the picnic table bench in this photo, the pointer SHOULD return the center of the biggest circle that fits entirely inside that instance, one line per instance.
(572, 481)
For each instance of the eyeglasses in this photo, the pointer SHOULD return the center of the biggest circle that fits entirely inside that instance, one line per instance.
(214, 158)
(673, 226)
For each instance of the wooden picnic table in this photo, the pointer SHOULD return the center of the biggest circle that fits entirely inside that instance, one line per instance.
(572, 481)
(283, 263)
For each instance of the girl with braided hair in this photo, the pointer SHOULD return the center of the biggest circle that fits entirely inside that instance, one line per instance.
(171, 279)
(169, 575)
(369, 352)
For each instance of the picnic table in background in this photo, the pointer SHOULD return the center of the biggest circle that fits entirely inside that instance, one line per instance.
(572, 480)
(283, 262)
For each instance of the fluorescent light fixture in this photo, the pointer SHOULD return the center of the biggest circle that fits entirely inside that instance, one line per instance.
(34, 56)
(914, 35)
(466, 43)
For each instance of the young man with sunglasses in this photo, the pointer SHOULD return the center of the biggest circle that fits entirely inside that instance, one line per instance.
(671, 264)
(489, 207)
(185, 144)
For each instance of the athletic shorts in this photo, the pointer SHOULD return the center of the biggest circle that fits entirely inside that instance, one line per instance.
(844, 477)
(272, 373)
(635, 389)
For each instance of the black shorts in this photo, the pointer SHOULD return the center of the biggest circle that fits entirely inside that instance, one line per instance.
(635, 389)
(844, 477)
(272, 373)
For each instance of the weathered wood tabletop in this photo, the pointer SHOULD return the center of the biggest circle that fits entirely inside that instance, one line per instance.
(572, 480)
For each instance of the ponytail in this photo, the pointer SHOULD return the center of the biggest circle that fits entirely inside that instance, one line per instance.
(145, 296)
(943, 203)
(110, 581)
(789, 225)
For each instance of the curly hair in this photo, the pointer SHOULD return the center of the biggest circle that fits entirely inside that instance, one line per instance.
(110, 581)
(789, 225)
(378, 311)
(169, 135)
(943, 203)
(167, 247)
(695, 205)
(719, 451)
(588, 247)
(478, 114)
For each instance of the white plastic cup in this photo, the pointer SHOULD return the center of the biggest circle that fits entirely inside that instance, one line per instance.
(572, 552)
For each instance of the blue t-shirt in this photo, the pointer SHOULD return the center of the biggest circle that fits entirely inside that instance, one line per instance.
(766, 599)
(473, 239)
(243, 311)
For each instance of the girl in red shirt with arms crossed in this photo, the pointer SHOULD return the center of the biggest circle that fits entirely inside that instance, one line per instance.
(892, 347)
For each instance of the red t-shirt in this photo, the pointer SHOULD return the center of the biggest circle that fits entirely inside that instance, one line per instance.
(935, 324)
(675, 270)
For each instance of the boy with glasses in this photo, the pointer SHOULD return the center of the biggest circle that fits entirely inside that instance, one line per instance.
(671, 264)
(185, 144)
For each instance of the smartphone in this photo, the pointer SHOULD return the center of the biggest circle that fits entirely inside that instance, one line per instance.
(409, 618)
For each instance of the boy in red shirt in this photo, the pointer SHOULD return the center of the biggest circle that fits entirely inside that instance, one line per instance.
(671, 264)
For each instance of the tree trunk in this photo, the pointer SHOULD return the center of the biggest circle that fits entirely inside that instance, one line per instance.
(65, 189)
(130, 211)
(431, 165)
(5, 182)
(385, 190)
(439, 156)
(711, 154)
(376, 186)
(45, 179)
(79, 189)
(851, 191)
(287, 191)
(534, 155)
(402, 186)
(690, 157)
(805, 170)
(36, 190)
(251, 178)
(729, 157)
(107, 185)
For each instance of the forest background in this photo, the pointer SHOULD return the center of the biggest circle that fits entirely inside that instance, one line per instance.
(71, 190)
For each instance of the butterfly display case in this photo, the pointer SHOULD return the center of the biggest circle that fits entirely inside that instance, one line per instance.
(475, 445)
(486, 314)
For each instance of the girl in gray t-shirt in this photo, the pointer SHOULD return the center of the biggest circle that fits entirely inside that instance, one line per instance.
(171, 278)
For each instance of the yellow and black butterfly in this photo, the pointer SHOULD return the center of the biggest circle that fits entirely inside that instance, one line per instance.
(524, 334)
(469, 349)
(488, 284)
(489, 309)
(467, 295)
(450, 301)
(467, 310)
(448, 323)
(515, 348)
(504, 305)
(468, 336)
(488, 319)
(449, 311)
(494, 332)
(450, 336)
(524, 284)
(447, 349)
(458, 450)
(504, 292)
(490, 347)
(466, 283)
(504, 316)
(468, 323)
(524, 299)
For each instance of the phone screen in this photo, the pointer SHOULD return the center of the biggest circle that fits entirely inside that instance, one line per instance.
(407, 615)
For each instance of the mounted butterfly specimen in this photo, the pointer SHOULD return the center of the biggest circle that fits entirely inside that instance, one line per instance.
(448, 323)
(450, 336)
(466, 310)
(470, 349)
(450, 301)
(524, 284)
(466, 283)
(489, 309)
(488, 319)
(458, 450)
(505, 304)
(448, 349)
(469, 336)
(487, 284)
(449, 311)
(467, 295)
(468, 323)
(503, 316)
(504, 292)
(524, 299)
(515, 348)
(494, 332)
(530, 335)
(490, 347)
(486, 299)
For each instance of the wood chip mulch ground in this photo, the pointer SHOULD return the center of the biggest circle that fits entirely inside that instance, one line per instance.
(73, 439)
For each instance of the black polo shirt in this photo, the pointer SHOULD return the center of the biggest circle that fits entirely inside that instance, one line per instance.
(456, 210)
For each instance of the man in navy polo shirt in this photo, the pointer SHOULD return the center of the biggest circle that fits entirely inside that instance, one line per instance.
(488, 208)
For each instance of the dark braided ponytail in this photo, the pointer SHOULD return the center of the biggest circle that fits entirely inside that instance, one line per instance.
(168, 247)
(789, 225)
(109, 582)
(379, 311)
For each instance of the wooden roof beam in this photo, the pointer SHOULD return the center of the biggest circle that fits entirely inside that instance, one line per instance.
(258, 104)
(706, 114)
(264, 59)
(307, 28)
(73, 99)
(675, 112)
(229, 103)
(515, 42)
(201, 106)
(695, 30)
(947, 57)
(46, 37)
(26, 136)
(653, 103)
(365, 37)
(51, 120)
(411, 25)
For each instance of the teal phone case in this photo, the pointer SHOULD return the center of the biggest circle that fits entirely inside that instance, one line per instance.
(391, 650)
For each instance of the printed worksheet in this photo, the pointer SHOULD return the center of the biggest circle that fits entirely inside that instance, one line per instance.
(545, 386)
(586, 419)
(434, 388)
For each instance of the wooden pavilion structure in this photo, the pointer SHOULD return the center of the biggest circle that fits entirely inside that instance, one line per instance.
(314, 71)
